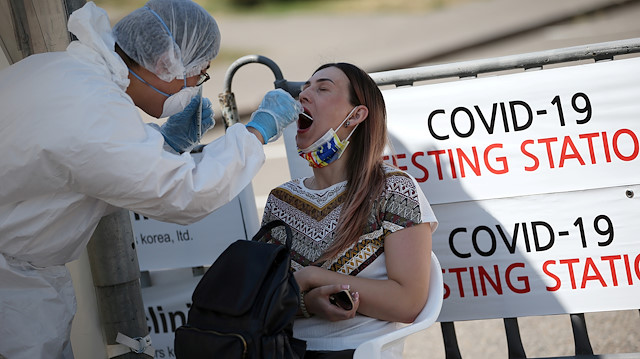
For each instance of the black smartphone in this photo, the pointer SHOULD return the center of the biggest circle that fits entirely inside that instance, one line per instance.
(342, 299)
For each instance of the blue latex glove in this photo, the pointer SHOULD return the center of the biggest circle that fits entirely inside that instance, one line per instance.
(277, 110)
(181, 130)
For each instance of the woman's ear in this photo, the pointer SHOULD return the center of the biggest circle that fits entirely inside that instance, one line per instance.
(359, 115)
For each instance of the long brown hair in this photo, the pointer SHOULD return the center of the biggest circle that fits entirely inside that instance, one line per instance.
(365, 175)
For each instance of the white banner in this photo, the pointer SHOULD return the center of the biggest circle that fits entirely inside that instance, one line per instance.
(166, 308)
(162, 245)
(537, 255)
(534, 180)
(535, 132)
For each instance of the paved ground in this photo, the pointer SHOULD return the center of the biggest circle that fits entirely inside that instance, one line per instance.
(486, 28)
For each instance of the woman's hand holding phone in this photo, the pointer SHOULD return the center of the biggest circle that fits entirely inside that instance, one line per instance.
(330, 302)
(342, 299)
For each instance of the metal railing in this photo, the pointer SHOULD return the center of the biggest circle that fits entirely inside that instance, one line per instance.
(405, 77)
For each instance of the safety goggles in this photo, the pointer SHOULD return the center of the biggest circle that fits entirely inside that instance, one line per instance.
(204, 77)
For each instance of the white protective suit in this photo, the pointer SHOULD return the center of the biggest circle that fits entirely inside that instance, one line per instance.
(74, 147)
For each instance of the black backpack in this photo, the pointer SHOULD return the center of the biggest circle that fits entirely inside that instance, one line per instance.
(245, 304)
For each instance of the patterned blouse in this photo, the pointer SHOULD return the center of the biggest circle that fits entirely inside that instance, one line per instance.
(313, 217)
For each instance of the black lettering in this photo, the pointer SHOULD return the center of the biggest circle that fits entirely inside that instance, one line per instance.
(452, 247)
(504, 117)
(510, 246)
(155, 238)
(137, 217)
(455, 127)
(512, 106)
(183, 236)
(474, 239)
(488, 126)
(431, 131)
(536, 238)
(526, 237)
(163, 319)
(172, 319)
(154, 320)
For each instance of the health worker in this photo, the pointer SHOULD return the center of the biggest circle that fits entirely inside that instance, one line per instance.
(74, 147)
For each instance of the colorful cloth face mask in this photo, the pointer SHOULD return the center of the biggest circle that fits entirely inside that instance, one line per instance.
(327, 148)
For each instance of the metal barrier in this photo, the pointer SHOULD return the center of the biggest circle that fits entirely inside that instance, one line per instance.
(408, 77)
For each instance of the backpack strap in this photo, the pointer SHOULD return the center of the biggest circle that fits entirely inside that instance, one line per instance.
(271, 225)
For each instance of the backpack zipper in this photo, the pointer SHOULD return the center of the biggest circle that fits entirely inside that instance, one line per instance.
(239, 336)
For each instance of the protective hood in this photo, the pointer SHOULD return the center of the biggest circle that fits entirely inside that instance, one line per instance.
(91, 25)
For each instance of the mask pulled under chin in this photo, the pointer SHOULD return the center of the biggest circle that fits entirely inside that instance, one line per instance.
(178, 101)
(327, 151)
(327, 148)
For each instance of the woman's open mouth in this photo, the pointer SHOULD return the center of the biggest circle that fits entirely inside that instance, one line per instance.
(304, 121)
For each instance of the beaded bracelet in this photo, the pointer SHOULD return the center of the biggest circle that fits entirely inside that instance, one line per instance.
(303, 307)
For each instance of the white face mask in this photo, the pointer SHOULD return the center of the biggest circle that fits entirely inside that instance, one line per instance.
(178, 101)
(174, 103)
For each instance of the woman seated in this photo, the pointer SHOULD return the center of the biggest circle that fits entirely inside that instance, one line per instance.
(358, 223)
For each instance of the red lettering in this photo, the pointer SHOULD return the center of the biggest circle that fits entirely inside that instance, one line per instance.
(452, 164)
(523, 279)
(553, 276)
(475, 166)
(569, 263)
(472, 274)
(399, 156)
(536, 163)
(437, 154)
(465, 162)
(394, 160)
(591, 272)
(634, 139)
(458, 271)
(503, 160)
(489, 282)
(636, 265)
(447, 291)
(628, 268)
(424, 170)
(484, 277)
(614, 276)
(547, 142)
(596, 276)
(605, 145)
(589, 137)
(564, 155)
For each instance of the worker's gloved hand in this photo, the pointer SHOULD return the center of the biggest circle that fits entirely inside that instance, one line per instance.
(277, 110)
(181, 130)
